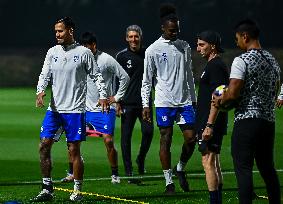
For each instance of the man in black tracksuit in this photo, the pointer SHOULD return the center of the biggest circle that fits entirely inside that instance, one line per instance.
(130, 108)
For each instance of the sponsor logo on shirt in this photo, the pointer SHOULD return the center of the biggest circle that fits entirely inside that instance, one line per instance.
(76, 58)
(129, 64)
(164, 55)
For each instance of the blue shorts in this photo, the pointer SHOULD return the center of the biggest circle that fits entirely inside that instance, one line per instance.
(72, 123)
(165, 117)
(102, 122)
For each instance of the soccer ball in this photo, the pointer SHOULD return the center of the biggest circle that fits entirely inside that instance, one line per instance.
(220, 90)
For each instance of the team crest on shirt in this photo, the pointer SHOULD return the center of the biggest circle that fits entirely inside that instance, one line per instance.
(164, 55)
(129, 64)
(55, 59)
(76, 58)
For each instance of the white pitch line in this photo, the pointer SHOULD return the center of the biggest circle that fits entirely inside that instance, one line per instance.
(126, 177)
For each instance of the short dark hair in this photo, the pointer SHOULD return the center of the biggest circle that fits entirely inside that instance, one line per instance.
(67, 21)
(249, 26)
(168, 12)
(87, 38)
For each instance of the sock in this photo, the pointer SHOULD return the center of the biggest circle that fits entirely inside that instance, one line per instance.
(213, 197)
(78, 185)
(220, 192)
(181, 166)
(115, 171)
(70, 168)
(47, 184)
(168, 176)
(47, 181)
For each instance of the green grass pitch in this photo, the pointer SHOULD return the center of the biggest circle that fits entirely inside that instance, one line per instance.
(19, 161)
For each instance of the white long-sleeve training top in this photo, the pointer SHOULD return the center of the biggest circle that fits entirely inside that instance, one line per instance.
(110, 69)
(280, 96)
(67, 69)
(169, 64)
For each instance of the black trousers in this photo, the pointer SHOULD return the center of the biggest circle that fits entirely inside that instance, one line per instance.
(253, 139)
(128, 120)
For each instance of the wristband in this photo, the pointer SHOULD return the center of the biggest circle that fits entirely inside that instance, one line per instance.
(209, 125)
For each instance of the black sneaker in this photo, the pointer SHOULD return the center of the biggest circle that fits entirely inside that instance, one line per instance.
(255, 196)
(133, 180)
(170, 189)
(43, 196)
(140, 164)
(182, 179)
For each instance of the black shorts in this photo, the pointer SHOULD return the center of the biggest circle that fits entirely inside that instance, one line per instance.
(214, 144)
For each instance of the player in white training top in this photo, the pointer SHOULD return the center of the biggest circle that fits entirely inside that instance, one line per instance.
(168, 63)
(66, 68)
(103, 123)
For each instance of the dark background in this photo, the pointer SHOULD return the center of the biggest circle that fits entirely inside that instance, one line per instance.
(29, 23)
(27, 28)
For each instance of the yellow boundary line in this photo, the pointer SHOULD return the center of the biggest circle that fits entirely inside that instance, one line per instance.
(99, 195)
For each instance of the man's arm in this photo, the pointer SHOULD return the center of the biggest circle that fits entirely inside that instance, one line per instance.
(229, 96)
(279, 101)
(147, 85)
(96, 76)
(208, 131)
(43, 80)
(124, 80)
(191, 77)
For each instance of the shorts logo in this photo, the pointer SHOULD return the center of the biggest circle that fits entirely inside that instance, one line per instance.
(76, 58)
(41, 129)
(164, 55)
(105, 127)
(80, 131)
(129, 64)
(164, 118)
(55, 59)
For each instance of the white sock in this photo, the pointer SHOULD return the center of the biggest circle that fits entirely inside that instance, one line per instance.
(47, 181)
(181, 166)
(78, 185)
(168, 176)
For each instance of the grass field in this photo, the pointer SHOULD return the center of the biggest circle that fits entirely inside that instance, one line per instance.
(19, 161)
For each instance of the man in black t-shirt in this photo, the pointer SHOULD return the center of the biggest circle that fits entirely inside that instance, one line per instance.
(130, 108)
(211, 125)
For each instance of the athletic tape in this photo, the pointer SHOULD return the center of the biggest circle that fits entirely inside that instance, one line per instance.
(99, 195)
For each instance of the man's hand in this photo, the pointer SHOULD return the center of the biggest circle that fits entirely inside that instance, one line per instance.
(279, 103)
(146, 114)
(111, 99)
(103, 103)
(39, 102)
(216, 100)
(207, 133)
(119, 110)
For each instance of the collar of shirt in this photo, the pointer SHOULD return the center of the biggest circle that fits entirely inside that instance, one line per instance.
(98, 52)
(71, 46)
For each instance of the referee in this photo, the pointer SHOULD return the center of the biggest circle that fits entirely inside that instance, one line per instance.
(130, 108)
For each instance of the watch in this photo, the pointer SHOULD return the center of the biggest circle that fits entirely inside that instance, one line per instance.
(210, 125)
